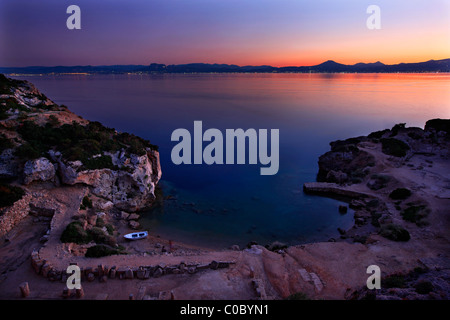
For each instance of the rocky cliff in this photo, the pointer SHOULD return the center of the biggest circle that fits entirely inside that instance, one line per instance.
(42, 142)
(348, 163)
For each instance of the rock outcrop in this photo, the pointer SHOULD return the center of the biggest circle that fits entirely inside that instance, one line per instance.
(348, 163)
(345, 162)
(38, 170)
(59, 147)
(130, 188)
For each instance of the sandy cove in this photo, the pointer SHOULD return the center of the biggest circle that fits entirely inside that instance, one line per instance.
(327, 270)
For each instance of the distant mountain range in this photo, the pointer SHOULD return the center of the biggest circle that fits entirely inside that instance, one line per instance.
(326, 67)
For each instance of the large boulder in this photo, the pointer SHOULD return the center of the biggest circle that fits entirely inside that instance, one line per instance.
(345, 162)
(130, 188)
(38, 170)
(438, 125)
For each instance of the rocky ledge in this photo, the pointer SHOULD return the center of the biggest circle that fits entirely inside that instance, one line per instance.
(397, 182)
(44, 143)
(363, 170)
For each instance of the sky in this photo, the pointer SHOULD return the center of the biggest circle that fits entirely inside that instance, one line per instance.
(242, 32)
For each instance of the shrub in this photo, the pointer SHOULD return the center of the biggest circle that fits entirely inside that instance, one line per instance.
(396, 129)
(110, 229)
(394, 147)
(373, 203)
(102, 162)
(5, 143)
(298, 296)
(400, 194)
(275, 246)
(28, 151)
(378, 134)
(374, 216)
(393, 281)
(424, 287)
(53, 121)
(414, 213)
(394, 232)
(3, 114)
(75, 233)
(100, 223)
(12, 103)
(10, 194)
(378, 181)
(414, 135)
(86, 203)
(420, 270)
(101, 250)
(77, 142)
(100, 237)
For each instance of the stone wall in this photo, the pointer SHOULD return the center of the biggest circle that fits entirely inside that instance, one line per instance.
(12, 215)
(102, 272)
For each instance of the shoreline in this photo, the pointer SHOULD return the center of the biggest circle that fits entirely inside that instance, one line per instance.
(398, 234)
(307, 254)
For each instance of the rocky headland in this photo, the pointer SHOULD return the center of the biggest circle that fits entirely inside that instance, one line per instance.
(71, 188)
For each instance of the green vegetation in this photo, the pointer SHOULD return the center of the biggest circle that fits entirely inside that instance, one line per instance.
(87, 143)
(394, 232)
(27, 151)
(400, 194)
(11, 103)
(101, 250)
(135, 144)
(101, 162)
(6, 84)
(298, 296)
(77, 142)
(415, 213)
(414, 135)
(397, 128)
(276, 245)
(100, 223)
(5, 143)
(86, 203)
(378, 181)
(53, 121)
(424, 287)
(10, 194)
(110, 229)
(378, 134)
(100, 237)
(75, 233)
(393, 281)
(394, 147)
(420, 270)
(374, 216)
(3, 114)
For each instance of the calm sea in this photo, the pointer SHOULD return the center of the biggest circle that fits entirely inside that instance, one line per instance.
(221, 205)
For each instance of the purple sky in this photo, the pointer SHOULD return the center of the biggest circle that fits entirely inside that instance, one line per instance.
(275, 32)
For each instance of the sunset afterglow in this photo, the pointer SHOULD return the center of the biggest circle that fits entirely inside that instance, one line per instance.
(263, 32)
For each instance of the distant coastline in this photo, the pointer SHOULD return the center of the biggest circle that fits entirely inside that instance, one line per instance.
(330, 66)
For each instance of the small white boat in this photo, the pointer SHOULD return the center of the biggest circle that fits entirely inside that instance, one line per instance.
(136, 235)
